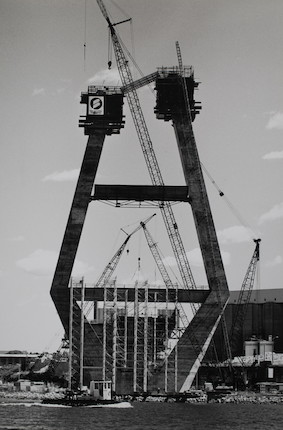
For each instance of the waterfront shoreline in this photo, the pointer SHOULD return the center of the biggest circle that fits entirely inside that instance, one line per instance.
(232, 398)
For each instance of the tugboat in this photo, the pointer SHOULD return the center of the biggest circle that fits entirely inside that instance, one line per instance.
(99, 395)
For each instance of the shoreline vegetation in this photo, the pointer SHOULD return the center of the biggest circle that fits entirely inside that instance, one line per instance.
(201, 397)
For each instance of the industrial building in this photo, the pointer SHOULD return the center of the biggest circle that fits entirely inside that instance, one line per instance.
(263, 319)
(133, 332)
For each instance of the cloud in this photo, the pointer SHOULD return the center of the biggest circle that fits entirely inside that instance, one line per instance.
(42, 262)
(66, 175)
(275, 262)
(275, 155)
(226, 257)
(274, 213)
(157, 283)
(39, 92)
(19, 238)
(195, 258)
(169, 261)
(60, 90)
(108, 77)
(275, 121)
(138, 276)
(234, 234)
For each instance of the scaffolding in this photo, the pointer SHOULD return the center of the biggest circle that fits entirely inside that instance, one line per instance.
(76, 333)
(137, 335)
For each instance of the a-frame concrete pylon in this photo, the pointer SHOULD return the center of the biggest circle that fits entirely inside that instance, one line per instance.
(104, 117)
(174, 104)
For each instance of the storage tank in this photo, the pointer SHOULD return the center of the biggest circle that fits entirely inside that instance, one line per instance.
(265, 346)
(251, 348)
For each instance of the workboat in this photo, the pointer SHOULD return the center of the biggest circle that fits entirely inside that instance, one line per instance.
(77, 399)
(99, 394)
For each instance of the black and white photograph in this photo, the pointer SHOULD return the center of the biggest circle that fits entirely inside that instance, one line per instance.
(141, 166)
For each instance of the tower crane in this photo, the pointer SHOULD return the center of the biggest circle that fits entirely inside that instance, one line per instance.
(244, 299)
(148, 151)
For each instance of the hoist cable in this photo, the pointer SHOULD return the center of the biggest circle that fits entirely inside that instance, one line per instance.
(109, 50)
(120, 9)
(85, 13)
(132, 39)
(236, 213)
(126, 50)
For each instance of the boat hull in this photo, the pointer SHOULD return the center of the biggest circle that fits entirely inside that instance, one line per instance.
(79, 402)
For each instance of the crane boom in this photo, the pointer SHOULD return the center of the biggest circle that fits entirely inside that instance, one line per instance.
(111, 266)
(149, 154)
(145, 80)
(161, 267)
(244, 299)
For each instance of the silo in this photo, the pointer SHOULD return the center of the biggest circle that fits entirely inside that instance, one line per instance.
(265, 346)
(251, 348)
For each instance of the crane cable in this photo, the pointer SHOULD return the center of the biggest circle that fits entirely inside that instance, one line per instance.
(85, 13)
(120, 9)
(131, 56)
(109, 61)
(236, 213)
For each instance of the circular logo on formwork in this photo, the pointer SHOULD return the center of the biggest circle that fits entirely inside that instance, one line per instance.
(95, 105)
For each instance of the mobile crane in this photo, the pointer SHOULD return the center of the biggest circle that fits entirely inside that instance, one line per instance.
(243, 301)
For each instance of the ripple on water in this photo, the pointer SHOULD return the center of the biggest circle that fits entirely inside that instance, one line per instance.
(155, 416)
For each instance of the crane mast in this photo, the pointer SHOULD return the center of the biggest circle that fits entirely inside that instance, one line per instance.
(149, 154)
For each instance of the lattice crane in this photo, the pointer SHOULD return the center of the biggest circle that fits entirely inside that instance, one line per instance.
(148, 151)
(244, 299)
(112, 264)
(162, 269)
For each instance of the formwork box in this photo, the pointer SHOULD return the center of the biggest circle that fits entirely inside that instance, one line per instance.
(170, 96)
(104, 110)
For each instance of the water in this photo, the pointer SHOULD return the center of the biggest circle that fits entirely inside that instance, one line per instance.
(154, 416)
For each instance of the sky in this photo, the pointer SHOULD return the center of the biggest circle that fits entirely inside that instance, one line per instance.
(236, 51)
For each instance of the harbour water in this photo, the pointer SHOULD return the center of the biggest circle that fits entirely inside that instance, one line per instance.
(155, 416)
